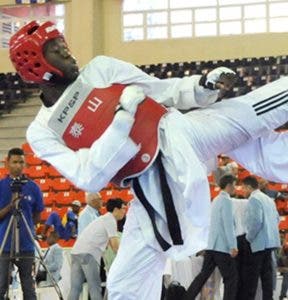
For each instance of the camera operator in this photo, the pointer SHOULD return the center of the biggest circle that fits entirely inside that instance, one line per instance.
(18, 196)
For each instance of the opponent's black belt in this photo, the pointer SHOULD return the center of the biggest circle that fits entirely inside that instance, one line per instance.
(171, 215)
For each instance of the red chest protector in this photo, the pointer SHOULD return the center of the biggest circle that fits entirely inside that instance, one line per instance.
(80, 123)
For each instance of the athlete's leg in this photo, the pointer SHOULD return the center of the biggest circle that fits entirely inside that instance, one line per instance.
(266, 157)
(136, 273)
(225, 126)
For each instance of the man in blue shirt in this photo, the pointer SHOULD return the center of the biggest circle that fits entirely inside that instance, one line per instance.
(30, 203)
(91, 211)
(67, 227)
(222, 244)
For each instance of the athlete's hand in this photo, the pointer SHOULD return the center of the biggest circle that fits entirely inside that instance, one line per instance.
(131, 97)
(220, 78)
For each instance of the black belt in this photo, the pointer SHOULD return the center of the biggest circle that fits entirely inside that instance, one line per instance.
(171, 215)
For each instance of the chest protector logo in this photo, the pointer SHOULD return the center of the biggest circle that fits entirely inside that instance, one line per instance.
(85, 113)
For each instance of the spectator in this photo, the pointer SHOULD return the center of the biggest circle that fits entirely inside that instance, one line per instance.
(28, 198)
(264, 187)
(89, 248)
(222, 244)
(221, 169)
(91, 212)
(67, 228)
(262, 235)
(53, 260)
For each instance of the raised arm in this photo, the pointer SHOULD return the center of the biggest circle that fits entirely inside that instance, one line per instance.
(182, 93)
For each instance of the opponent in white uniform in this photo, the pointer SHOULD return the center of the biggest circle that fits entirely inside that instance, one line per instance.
(187, 142)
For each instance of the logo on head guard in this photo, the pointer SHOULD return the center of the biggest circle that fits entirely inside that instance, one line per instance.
(76, 130)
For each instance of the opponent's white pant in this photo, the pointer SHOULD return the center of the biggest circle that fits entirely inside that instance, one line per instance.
(235, 123)
(266, 157)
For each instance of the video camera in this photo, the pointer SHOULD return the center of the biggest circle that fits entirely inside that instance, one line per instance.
(17, 183)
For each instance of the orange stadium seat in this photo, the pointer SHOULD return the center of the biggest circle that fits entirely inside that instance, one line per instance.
(61, 211)
(106, 194)
(44, 183)
(3, 172)
(61, 184)
(242, 173)
(64, 197)
(45, 214)
(36, 171)
(214, 191)
(33, 160)
(49, 198)
(52, 172)
(278, 186)
(79, 195)
(27, 149)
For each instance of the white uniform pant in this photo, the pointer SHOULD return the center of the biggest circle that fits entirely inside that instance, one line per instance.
(229, 124)
(136, 273)
(242, 127)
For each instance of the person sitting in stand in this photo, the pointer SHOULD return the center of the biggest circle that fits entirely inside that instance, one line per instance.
(68, 226)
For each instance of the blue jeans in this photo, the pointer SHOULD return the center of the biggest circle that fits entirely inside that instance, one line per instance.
(24, 265)
(84, 266)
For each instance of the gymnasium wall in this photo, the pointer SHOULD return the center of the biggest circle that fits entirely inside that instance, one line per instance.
(93, 27)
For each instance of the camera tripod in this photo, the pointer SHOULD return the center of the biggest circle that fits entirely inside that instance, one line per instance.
(15, 255)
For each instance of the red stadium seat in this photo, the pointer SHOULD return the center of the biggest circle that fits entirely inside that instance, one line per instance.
(80, 195)
(106, 194)
(49, 198)
(242, 173)
(36, 171)
(27, 149)
(44, 183)
(61, 211)
(3, 172)
(61, 184)
(64, 197)
(214, 191)
(33, 160)
(45, 214)
(52, 172)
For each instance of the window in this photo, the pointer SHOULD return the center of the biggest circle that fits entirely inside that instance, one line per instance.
(162, 19)
(14, 17)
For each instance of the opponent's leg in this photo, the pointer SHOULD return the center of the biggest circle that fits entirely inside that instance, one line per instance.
(225, 126)
(266, 157)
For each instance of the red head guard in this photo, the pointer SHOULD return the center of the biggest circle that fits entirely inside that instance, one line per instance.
(26, 51)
